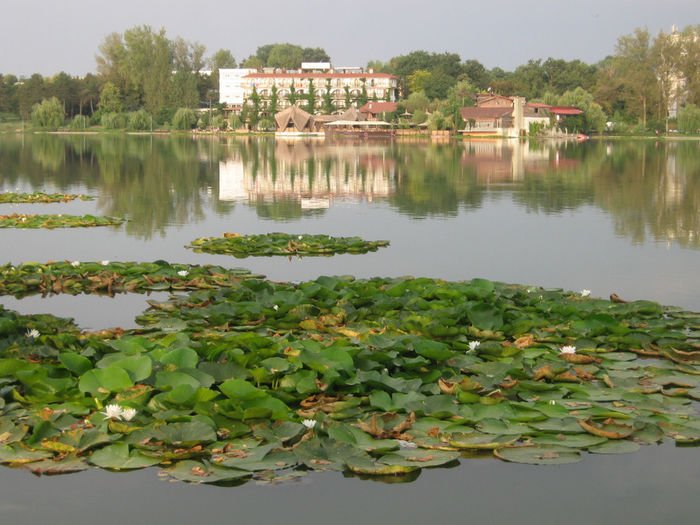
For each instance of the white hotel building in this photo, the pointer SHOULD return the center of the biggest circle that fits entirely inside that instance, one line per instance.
(236, 85)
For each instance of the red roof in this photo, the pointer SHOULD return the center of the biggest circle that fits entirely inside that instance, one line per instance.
(485, 113)
(537, 105)
(375, 108)
(565, 110)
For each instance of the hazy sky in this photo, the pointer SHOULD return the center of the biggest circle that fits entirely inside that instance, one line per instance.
(49, 36)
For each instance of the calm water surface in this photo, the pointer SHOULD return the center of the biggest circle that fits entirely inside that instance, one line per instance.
(619, 217)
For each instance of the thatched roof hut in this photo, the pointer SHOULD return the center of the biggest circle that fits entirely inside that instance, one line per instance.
(294, 119)
(352, 113)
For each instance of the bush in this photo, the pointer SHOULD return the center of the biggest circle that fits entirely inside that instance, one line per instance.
(48, 114)
(218, 122)
(234, 122)
(139, 120)
(184, 119)
(164, 115)
(79, 122)
(689, 119)
(113, 121)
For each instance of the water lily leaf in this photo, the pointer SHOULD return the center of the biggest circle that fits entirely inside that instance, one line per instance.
(63, 465)
(569, 440)
(371, 467)
(105, 380)
(18, 454)
(609, 429)
(319, 454)
(74, 362)
(477, 440)
(419, 457)
(181, 358)
(617, 446)
(198, 472)
(185, 434)
(538, 455)
(119, 457)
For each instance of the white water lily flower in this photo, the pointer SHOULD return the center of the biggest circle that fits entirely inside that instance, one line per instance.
(406, 444)
(183, 273)
(308, 423)
(112, 412)
(552, 402)
(300, 237)
(473, 345)
(104, 263)
(568, 349)
(128, 413)
(33, 333)
(275, 308)
(585, 293)
(75, 264)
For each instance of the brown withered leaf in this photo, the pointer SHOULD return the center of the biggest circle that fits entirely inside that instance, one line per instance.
(420, 459)
(617, 299)
(199, 471)
(396, 432)
(568, 377)
(447, 387)
(586, 376)
(433, 432)
(590, 427)
(524, 341)
(543, 372)
(580, 359)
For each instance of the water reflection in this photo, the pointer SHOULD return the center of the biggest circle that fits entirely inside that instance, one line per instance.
(650, 190)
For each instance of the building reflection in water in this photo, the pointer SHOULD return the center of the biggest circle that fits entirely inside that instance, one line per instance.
(312, 174)
(505, 161)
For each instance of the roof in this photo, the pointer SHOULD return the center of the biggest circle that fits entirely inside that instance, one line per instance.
(565, 110)
(299, 117)
(379, 107)
(485, 113)
(352, 113)
(319, 75)
(537, 105)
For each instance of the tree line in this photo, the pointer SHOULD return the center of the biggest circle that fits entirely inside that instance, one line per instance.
(145, 76)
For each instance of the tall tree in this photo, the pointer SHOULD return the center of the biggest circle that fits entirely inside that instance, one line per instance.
(634, 67)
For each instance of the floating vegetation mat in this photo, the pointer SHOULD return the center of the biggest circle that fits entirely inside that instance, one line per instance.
(22, 220)
(283, 244)
(243, 378)
(38, 197)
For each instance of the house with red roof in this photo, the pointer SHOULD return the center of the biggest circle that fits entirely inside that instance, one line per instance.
(376, 110)
(496, 115)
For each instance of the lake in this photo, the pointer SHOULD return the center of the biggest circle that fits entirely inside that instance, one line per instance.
(609, 216)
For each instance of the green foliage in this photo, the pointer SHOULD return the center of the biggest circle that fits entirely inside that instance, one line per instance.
(79, 122)
(284, 244)
(139, 120)
(184, 119)
(689, 119)
(289, 56)
(48, 114)
(110, 99)
(217, 122)
(16, 198)
(23, 220)
(113, 121)
(378, 376)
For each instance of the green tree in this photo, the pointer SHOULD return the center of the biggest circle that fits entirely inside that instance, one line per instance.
(29, 93)
(273, 107)
(311, 97)
(328, 106)
(110, 99)
(48, 114)
(689, 119)
(184, 119)
(293, 95)
(634, 67)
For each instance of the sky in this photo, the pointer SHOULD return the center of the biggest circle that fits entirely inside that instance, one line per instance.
(49, 36)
